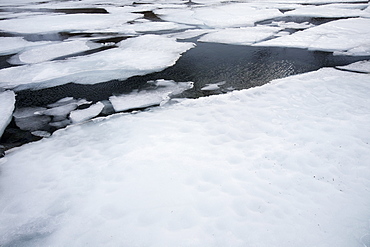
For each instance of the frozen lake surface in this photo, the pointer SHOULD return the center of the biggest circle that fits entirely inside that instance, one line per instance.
(184, 123)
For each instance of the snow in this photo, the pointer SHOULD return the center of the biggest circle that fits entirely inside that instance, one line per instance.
(240, 36)
(361, 66)
(81, 115)
(340, 35)
(140, 99)
(284, 163)
(7, 100)
(52, 51)
(134, 56)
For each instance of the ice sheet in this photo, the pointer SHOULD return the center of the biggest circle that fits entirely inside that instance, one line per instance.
(61, 22)
(361, 66)
(9, 45)
(340, 35)
(7, 101)
(292, 25)
(52, 51)
(283, 163)
(134, 56)
(94, 110)
(158, 95)
(233, 15)
(240, 36)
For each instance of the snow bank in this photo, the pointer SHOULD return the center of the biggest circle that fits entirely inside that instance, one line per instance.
(240, 36)
(285, 163)
(7, 100)
(134, 56)
(341, 35)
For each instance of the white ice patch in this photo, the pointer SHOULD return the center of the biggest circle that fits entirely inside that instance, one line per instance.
(361, 66)
(7, 101)
(9, 45)
(284, 163)
(60, 22)
(134, 56)
(240, 36)
(140, 99)
(233, 15)
(52, 51)
(94, 110)
(340, 35)
(188, 34)
(213, 86)
(326, 11)
(292, 25)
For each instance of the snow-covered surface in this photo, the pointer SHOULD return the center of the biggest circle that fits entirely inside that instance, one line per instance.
(7, 101)
(240, 36)
(81, 115)
(361, 66)
(134, 56)
(160, 95)
(340, 35)
(9, 45)
(285, 163)
(325, 11)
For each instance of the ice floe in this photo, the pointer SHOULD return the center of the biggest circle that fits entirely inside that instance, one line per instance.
(325, 11)
(361, 66)
(9, 45)
(134, 56)
(51, 51)
(7, 100)
(340, 35)
(284, 163)
(81, 115)
(240, 36)
(60, 22)
(213, 86)
(159, 95)
(292, 25)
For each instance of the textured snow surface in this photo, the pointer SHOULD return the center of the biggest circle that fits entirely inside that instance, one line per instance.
(7, 101)
(134, 56)
(284, 164)
(340, 35)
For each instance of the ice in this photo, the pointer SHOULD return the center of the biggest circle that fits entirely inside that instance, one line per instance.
(60, 22)
(52, 51)
(340, 35)
(213, 86)
(7, 100)
(134, 56)
(325, 11)
(361, 66)
(233, 15)
(191, 33)
(292, 25)
(9, 45)
(284, 163)
(61, 111)
(162, 92)
(81, 115)
(241, 36)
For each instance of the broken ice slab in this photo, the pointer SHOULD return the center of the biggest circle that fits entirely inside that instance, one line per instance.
(81, 115)
(7, 100)
(134, 56)
(240, 36)
(145, 98)
(340, 35)
(51, 51)
(361, 66)
(10, 45)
